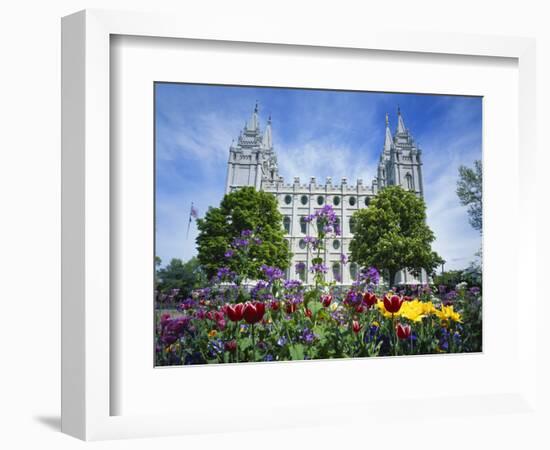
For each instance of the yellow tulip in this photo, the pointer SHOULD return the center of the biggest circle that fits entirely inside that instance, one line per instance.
(448, 313)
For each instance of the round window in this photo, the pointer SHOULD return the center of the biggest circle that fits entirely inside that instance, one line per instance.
(304, 199)
(352, 201)
(367, 201)
(336, 244)
(320, 200)
(336, 200)
(302, 244)
(288, 199)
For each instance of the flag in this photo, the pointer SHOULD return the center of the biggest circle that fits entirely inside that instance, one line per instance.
(193, 214)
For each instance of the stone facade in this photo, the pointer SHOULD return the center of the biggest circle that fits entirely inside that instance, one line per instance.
(253, 162)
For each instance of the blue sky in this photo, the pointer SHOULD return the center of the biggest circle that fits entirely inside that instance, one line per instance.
(315, 133)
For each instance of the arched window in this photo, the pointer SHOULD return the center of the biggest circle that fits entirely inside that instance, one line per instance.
(302, 244)
(353, 271)
(367, 201)
(352, 201)
(286, 224)
(303, 225)
(336, 200)
(409, 180)
(336, 274)
(303, 199)
(301, 270)
(288, 199)
(351, 225)
(336, 244)
(320, 200)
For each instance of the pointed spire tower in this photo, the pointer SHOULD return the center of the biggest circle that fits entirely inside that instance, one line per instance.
(400, 124)
(251, 136)
(254, 122)
(388, 140)
(267, 140)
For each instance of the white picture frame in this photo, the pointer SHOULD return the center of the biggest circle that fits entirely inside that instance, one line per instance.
(86, 201)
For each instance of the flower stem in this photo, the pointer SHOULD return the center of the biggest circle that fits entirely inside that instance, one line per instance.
(253, 343)
(237, 341)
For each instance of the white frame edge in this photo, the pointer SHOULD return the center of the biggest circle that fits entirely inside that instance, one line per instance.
(86, 172)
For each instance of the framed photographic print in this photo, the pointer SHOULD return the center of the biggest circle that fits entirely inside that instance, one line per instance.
(297, 215)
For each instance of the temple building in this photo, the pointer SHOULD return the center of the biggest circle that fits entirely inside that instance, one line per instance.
(253, 162)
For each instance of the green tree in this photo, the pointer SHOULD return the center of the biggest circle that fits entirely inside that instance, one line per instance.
(244, 209)
(392, 234)
(185, 276)
(469, 190)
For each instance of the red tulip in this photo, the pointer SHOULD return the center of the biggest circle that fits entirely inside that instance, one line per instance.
(356, 326)
(290, 308)
(274, 305)
(253, 312)
(231, 346)
(326, 300)
(403, 331)
(393, 304)
(307, 312)
(235, 312)
(369, 299)
(359, 309)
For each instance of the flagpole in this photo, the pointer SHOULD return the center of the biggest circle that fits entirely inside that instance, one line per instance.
(189, 223)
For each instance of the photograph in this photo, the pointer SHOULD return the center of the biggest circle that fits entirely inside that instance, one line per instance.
(304, 224)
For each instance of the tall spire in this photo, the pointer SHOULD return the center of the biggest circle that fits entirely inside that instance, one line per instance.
(388, 140)
(268, 139)
(254, 122)
(400, 124)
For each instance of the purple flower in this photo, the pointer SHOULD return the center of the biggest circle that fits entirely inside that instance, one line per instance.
(318, 268)
(307, 336)
(225, 273)
(257, 241)
(442, 288)
(300, 266)
(353, 298)
(343, 259)
(272, 273)
(370, 275)
(311, 240)
(188, 303)
(239, 243)
(474, 291)
(281, 342)
(229, 253)
(291, 284)
(246, 233)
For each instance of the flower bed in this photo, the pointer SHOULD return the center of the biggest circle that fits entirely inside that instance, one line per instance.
(277, 320)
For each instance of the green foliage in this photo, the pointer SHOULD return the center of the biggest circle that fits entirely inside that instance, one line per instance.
(471, 276)
(469, 189)
(179, 275)
(244, 209)
(392, 234)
